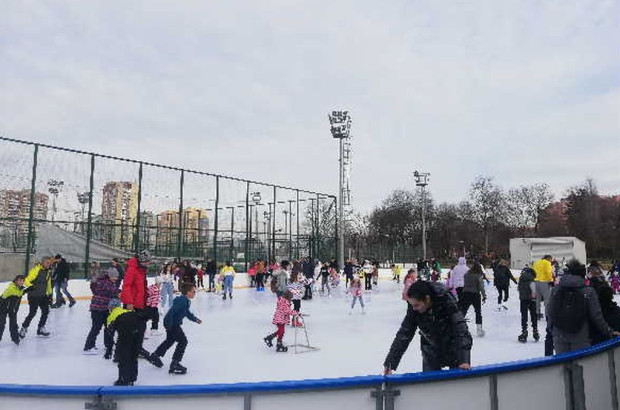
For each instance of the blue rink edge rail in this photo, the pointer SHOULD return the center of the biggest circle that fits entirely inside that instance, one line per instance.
(315, 384)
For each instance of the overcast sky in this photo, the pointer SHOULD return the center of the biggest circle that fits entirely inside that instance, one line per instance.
(525, 91)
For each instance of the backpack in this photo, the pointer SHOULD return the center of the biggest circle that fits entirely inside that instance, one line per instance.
(570, 309)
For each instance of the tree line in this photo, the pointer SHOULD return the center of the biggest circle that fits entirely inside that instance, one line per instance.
(484, 222)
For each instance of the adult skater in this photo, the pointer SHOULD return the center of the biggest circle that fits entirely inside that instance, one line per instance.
(544, 281)
(474, 295)
(348, 271)
(211, 270)
(60, 278)
(571, 309)
(444, 338)
(501, 279)
(40, 279)
(308, 271)
(527, 300)
(228, 276)
(280, 277)
(457, 275)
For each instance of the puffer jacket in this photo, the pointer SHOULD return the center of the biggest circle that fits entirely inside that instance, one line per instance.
(458, 273)
(502, 275)
(134, 285)
(283, 312)
(103, 290)
(444, 337)
(39, 280)
(526, 284)
(594, 315)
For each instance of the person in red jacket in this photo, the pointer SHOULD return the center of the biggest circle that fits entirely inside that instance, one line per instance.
(134, 294)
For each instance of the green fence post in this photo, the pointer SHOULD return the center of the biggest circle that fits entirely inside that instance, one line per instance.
(273, 226)
(89, 224)
(318, 226)
(30, 239)
(217, 205)
(297, 228)
(136, 247)
(338, 225)
(180, 234)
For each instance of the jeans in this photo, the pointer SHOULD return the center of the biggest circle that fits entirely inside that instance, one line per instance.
(62, 285)
(98, 318)
(472, 299)
(167, 294)
(228, 284)
(356, 298)
(174, 334)
(35, 303)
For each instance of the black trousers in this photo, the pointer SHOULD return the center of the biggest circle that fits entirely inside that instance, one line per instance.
(502, 290)
(367, 282)
(349, 278)
(297, 304)
(308, 292)
(35, 303)
(130, 329)
(98, 321)
(9, 308)
(174, 335)
(528, 306)
(200, 282)
(472, 299)
(212, 281)
(154, 316)
(260, 280)
(459, 294)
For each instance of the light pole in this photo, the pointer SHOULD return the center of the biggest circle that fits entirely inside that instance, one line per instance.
(340, 126)
(55, 186)
(421, 180)
(232, 231)
(267, 216)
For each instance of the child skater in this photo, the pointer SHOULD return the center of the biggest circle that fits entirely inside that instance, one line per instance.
(297, 285)
(280, 318)
(355, 289)
(174, 333)
(9, 305)
(152, 305)
(614, 279)
(410, 278)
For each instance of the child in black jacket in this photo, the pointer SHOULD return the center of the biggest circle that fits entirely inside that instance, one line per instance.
(9, 305)
(527, 298)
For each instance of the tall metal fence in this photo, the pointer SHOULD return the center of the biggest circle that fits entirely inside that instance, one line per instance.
(92, 206)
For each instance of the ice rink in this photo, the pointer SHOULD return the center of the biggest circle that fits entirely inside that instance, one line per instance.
(228, 347)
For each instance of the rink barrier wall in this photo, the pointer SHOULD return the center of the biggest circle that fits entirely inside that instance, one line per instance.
(581, 380)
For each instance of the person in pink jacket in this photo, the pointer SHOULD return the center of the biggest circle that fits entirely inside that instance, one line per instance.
(281, 318)
(410, 278)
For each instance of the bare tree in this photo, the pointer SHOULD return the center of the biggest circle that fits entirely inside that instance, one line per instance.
(487, 205)
(525, 204)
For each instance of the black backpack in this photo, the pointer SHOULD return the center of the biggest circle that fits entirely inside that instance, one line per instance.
(570, 309)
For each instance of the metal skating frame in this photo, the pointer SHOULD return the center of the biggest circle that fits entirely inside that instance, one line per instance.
(301, 347)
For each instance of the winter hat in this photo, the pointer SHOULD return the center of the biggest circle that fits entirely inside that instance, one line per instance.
(112, 273)
(114, 303)
(144, 256)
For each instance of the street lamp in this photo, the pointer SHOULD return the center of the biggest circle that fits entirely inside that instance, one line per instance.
(55, 186)
(340, 126)
(421, 180)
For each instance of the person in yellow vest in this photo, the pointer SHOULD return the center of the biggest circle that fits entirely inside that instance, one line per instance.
(9, 305)
(544, 280)
(228, 276)
(39, 279)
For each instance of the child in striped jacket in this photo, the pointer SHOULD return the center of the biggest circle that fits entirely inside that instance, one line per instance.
(281, 317)
(297, 286)
(152, 305)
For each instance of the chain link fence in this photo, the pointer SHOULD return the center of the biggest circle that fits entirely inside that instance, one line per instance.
(91, 208)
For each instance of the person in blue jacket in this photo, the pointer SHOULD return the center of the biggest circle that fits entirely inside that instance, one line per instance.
(174, 333)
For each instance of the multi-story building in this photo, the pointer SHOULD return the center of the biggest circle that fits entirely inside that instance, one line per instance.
(118, 211)
(194, 236)
(15, 212)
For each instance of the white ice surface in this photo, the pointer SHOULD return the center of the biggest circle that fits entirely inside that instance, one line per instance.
(228, 346)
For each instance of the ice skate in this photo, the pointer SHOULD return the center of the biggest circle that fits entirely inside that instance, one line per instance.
(108, 354)
(523, 337)
(479, 331)
(177, 368)
(72, 303)
(121, 382)
(269, 340)
(504, 307)
(23, 331)
(536, 335)
(42, 332)
(230, 295)
(281, 348)
(155, 361)
(224, 297)
(93, 351)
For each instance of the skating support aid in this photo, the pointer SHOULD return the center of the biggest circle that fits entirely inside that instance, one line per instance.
(300, 347)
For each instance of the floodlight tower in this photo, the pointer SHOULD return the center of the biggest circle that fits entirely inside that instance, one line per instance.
(421, 180)
(340, 124)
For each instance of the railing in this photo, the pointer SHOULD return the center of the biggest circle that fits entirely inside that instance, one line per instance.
(581, 380)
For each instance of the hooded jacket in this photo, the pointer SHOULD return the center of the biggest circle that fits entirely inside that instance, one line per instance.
(134, 285)
(458, 273)
(444, 336)
(594, 315)
(40, 281)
